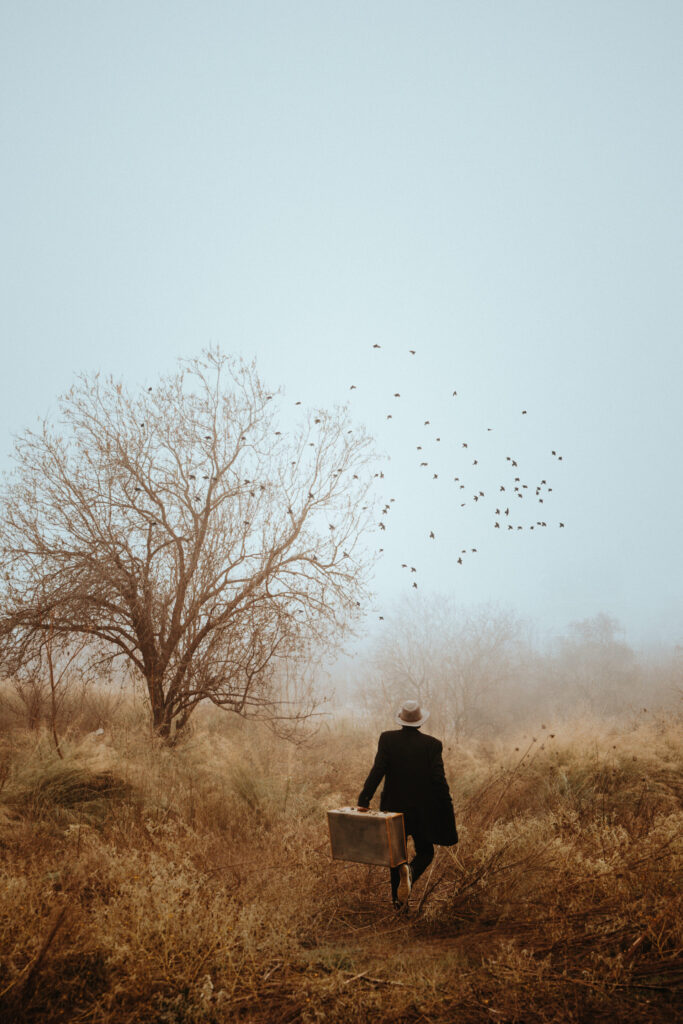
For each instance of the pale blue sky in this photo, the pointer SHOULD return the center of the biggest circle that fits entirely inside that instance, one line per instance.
(497, 185)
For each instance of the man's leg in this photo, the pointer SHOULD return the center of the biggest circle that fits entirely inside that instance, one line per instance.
(424, 854)
(395, 876)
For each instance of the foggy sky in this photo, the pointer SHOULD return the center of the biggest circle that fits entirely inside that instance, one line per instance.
(495, 185)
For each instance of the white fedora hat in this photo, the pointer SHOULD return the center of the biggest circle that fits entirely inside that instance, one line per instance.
(411, 714)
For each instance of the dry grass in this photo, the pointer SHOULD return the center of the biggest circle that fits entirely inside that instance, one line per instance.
(195, 885)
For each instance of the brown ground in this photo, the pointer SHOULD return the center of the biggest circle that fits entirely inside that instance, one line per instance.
(195, 885)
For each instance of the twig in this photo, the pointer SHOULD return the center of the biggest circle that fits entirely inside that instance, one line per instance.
(641, 938)
(356, 977)
(364, 976)
(427, 889)
(30, 982)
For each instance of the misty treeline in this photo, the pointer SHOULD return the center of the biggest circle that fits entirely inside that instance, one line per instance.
(482, 670)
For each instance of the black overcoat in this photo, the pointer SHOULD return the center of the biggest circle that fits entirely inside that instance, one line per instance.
(414, 782)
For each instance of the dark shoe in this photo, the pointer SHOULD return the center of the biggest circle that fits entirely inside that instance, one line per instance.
(404, 884)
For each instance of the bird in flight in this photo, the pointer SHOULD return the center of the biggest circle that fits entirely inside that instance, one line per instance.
(431, 535)
(412, 351)
(415, 585)
(376, 346)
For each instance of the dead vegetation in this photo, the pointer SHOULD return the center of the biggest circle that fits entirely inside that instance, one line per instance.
(195, 885)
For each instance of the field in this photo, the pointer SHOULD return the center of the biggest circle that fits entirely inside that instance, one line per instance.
(195, 884)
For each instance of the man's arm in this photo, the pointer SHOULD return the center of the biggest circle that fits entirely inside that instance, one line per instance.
(446, 832)
(439, 782)
(377, 773)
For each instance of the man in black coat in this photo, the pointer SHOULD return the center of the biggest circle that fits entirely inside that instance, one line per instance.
(414, 783)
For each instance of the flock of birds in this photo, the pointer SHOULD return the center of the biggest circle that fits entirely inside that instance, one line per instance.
(507, 492)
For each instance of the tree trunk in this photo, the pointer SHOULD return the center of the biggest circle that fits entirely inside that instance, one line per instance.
(162, 713)
(53, 696)
(162, 722)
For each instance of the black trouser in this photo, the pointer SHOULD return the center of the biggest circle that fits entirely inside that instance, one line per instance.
(424, 852)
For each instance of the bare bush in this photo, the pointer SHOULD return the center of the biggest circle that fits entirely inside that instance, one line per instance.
(461, 662)
(594, 665)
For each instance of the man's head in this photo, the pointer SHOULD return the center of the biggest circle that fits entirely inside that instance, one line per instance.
(411, 715)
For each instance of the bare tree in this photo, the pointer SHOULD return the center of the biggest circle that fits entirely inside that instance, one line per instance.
(594, 664)
(459, 661)
(185, 529)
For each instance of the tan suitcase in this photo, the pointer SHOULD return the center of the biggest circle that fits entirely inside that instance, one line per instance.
(367, 837)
